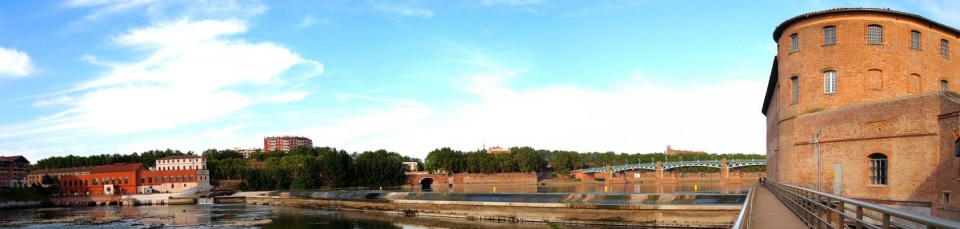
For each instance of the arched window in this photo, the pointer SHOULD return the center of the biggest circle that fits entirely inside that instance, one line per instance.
(829, 35)
(944, 86)
(830, 82)
(874, 34)
(878, 169)
(794, 43)
(795, 82)
(914, 83)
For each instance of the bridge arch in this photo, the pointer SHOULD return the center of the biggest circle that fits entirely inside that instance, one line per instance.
(426, 183)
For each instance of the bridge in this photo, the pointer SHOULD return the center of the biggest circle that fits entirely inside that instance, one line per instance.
(678, 164)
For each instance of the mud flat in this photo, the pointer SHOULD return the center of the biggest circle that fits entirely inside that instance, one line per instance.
(663, 210)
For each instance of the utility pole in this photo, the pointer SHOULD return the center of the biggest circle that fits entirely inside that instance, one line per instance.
(815, 139)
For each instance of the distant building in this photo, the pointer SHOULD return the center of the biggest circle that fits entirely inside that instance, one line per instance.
(245, 152)
(13, 172)
(671, 151)
(285, 143)
(411, 166)
(497, 150)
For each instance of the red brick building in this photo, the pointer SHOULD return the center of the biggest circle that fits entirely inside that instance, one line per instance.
(13, 172)
(179, 174)
(285, 143)
(879, 86)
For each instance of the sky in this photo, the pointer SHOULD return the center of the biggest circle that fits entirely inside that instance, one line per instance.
(89, 77)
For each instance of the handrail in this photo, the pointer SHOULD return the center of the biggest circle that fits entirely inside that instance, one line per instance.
(821, 210)
(745, 217)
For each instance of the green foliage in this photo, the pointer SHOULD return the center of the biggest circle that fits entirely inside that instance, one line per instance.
(336, 167)
(445, 160)
(380, 168)
(19, 194)
(148, 158)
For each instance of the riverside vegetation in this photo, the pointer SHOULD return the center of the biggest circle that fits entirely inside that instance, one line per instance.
(328, 167)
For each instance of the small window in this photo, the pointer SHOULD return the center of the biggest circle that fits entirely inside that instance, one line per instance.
(143, 180)
(944, 86)
(915, 40)
(946, 198)
(149, 179)
(796, 89)
(878, 169)
(829, 35)
(830, 82)
(794, 43)
(874, 34)
(944, 48)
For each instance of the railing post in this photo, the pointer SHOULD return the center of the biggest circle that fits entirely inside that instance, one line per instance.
(886, 221)
(859, 217)
(827, 210)
(843, 211)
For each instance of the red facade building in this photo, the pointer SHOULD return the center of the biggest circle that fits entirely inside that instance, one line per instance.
(285, 143)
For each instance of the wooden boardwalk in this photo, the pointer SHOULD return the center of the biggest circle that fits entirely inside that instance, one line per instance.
(769, 212)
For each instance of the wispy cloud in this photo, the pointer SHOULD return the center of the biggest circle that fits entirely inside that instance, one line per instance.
(307, 21)
(607, 7)
(14, 63)
(193, 72)
(403, 10)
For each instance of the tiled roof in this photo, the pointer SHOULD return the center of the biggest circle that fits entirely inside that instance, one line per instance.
(62, 170)
(119, 167)
(180, 157)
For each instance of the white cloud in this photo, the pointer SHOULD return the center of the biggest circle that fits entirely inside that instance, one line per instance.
(193, 72)
(307, 21)
(404, 10)
(14, 63)
(945, 11)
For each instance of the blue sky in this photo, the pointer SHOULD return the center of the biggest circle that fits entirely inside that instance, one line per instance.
(102, 76)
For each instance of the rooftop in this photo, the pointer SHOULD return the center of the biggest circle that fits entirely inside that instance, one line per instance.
(783, 26)
(13, 159)
(118, 167)
(62, 170)
(180, 157)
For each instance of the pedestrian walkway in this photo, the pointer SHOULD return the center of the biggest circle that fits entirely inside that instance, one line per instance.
(769, 212)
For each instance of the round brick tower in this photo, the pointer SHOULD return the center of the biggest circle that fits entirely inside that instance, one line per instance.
(880, 87)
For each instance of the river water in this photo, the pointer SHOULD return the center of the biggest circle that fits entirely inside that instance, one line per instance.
(248, 215)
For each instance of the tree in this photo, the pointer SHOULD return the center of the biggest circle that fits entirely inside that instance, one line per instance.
(380, 168)
(445, 160)
(336, 167)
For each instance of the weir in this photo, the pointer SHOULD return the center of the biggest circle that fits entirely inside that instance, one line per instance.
(670, 210)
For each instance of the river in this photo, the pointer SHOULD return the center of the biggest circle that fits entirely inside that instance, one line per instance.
(248, 215)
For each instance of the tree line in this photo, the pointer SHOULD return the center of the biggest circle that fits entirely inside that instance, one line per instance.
(528, 159)
(148, 158)
(308, 168)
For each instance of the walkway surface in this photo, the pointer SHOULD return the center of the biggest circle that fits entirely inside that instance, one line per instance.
(769, 212)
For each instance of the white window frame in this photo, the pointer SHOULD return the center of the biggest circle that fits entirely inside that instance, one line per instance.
(915, 39)
(830, 82)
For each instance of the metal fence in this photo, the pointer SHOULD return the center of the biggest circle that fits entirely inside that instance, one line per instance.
(746, 212)
(821, 210)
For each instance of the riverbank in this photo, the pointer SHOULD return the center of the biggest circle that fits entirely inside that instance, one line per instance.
(19, 198)
(661, 210)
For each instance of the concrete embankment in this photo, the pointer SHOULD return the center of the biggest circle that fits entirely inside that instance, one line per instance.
(669, 210)
(19, 204)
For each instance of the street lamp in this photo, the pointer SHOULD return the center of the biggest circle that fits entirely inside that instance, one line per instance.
(815, 139)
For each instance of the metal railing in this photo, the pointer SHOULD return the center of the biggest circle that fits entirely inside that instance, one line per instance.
(821, 210)
(746, 212)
